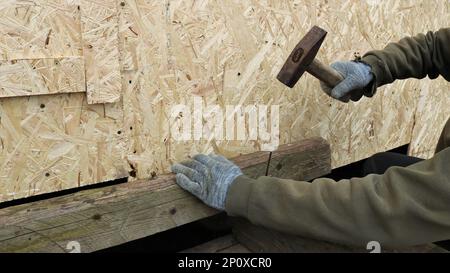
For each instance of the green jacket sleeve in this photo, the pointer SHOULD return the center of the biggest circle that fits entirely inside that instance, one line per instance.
(411, 57)
(403, 207)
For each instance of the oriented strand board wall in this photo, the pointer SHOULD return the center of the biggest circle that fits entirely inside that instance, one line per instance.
(57, 141)
(41, 76)
(100, 26)
(430, 116)
(228, 52)
(39, 29)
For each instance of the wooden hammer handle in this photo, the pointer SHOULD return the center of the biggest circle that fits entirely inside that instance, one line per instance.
(324, 73)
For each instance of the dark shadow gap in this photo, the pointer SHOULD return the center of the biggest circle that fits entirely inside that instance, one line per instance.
(355, 169)
(50, 195)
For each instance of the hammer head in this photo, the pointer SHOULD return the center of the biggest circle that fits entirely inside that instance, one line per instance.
(301, 57)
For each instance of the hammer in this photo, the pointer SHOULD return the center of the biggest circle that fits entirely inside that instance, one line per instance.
(303, 59)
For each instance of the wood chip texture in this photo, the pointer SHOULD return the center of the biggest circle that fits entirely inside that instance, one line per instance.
(142, 57)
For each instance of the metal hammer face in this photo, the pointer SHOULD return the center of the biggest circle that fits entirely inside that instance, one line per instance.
(302, 56)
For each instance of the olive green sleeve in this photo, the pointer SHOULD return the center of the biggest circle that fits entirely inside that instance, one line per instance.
(403, 207)
(411, 57)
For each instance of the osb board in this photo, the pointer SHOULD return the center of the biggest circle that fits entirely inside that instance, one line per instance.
(434, 98)
(56, 142)
(230, 53)
(41, 76)
(39, 29)
(100, 27)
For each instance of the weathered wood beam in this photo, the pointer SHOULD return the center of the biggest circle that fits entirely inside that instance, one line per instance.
(263, 240)
(225, 244)
(310, 160)
(109, 216)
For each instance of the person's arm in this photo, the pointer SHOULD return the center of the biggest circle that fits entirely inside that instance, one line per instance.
(411, 57)
(403, 207)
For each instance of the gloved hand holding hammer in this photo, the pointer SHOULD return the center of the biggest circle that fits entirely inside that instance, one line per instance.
(404, 202)
(356, 76)
(209, 177)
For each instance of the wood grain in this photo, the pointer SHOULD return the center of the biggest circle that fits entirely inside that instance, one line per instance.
(98, 219)
(263, 240)
(41, 77)
(100, 36)
(324, 73)
(108, 216)
(39, 29)
(312, 159)
(225, 244)
(227, 52)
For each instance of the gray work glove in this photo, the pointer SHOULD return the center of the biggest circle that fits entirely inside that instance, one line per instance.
(208, 177)
(356, 75)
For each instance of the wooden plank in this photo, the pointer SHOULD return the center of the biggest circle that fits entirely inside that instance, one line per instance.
(263, 240)
(236, 248)
(98, 219)
(225, 244)
(41, 76)
(108, 216)
(100, 35)
(311, 160)
(260, 239)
